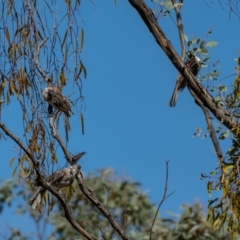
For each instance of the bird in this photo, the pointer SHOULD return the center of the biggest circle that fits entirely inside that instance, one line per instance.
(194, 65)
(77, 157)
(59, 179)
(57, 100)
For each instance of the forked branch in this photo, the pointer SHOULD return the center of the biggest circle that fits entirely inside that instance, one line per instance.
(217, 110)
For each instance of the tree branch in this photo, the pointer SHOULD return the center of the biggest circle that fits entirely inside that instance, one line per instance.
(180, 28)
(89, 194)
(72, 159)
(218, 111)
(21, 145)
(67, 211)
(212, 134)
(59, 139)
(36, 60)
(164, 197)
(46, 185)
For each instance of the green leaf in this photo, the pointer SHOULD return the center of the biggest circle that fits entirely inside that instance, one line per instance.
(14, 171)
(64, 38)
(211, 44)
(209, 32)
(82, 39)
(7, 35)
(189, 43)
(224, 135)
(82, 68)
(11, 161)
(204, 51)
(185, 37)
(209, 188)
(202, 44)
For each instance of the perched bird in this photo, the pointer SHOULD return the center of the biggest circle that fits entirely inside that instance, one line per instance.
(59, 179)
(57, 100)
(194, 65)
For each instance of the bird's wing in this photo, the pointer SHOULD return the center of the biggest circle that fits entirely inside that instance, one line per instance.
(61, 102)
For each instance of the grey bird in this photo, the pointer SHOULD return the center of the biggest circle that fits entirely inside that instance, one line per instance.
(60, 179)
(54, 96)
(194, 65)
(57, 100)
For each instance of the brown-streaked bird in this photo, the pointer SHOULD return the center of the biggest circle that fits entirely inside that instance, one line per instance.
(60, 179)
(54, 96)
(194, 65)
(57, 100)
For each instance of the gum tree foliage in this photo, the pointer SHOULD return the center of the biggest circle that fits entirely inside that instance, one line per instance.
(219, 103)
(122, 197)
(33, 51)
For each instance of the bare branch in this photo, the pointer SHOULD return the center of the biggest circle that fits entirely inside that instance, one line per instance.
(212, 133)
(36, 60)
(180, 28)
(70, 158)
(59, 139)
(89, 194)
(164, 197)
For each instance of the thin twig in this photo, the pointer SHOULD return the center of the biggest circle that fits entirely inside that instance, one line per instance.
(164, 197)
(67, 211)
(21, 145)
(59, 139)
(180, 28)
(89, 194)
(212, 133)
(36, 60)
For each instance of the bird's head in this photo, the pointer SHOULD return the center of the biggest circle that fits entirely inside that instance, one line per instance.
(46, 95)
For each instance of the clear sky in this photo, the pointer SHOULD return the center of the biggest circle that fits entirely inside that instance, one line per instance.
(129, 125)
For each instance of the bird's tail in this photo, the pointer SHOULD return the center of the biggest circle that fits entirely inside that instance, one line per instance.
(180, 85)
(37, 199)
(173, 100)
(67, 126)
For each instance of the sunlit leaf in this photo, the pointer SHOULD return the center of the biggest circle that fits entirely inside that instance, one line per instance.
(11, 161)
(211, 44)
(62, 79)
(216, 221)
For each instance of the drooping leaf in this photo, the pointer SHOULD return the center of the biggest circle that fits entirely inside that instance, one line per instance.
(82, 39)
(7, 35)
(11, 161)
(62, 79)
(83, 69)
(82, 123)
(14, 171)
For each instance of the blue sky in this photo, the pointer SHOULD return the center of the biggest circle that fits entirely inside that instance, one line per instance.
(129, 125)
